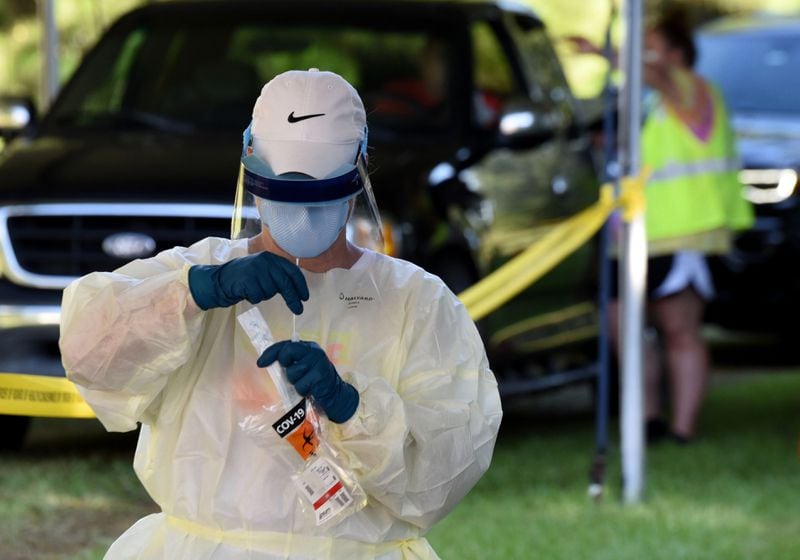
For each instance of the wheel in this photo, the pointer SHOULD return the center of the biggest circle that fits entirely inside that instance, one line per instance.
(13, 430)
(459, 273)
(455, 270)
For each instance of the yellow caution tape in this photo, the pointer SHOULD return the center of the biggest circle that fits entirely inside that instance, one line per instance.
(563, 239)
(38, 395)
(631, 195)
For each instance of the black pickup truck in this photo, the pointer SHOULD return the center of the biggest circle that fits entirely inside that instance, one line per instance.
(476, 149)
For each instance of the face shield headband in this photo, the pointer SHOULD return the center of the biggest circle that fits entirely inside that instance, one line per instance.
(258, 186)
(260, 180)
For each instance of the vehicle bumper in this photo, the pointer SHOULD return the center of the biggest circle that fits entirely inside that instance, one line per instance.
(32, 379)
(758, 284)
(29, 339)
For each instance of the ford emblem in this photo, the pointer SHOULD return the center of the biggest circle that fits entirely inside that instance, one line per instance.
(129, 245)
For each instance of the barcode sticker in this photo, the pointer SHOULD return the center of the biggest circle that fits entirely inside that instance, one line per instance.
(323, 490)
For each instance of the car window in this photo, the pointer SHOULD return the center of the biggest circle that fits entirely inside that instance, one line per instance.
(547, 83)
(402, 76)
(209, 75)
(493, 77)
(755, 72)
(108, 94)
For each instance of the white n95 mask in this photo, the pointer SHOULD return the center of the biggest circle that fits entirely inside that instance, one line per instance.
(303, 231)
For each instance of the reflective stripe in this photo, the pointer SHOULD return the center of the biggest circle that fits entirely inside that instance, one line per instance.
(678, 170)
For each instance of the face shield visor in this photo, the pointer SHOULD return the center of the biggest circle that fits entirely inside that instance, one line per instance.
(302, 214)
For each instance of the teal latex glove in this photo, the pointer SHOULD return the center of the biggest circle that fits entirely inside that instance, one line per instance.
(255, 278)
(312, 374)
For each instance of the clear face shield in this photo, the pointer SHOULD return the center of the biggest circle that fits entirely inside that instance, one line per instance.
(303, 215)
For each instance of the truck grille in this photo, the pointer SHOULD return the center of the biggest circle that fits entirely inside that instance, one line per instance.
(49, 245)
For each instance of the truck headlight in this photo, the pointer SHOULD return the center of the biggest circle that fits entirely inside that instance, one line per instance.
(768, 186)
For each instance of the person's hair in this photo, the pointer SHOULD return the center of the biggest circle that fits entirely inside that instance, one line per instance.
(677, 32)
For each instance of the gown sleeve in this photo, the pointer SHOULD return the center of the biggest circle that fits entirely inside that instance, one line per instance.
(124, 332)
(418, 448)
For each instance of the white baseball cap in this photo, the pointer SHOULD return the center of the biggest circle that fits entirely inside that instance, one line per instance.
(309, 122)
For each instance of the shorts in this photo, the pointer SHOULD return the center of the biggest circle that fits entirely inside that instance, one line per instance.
(669, 274)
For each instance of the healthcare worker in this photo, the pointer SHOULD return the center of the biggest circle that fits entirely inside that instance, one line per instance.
(392, 361)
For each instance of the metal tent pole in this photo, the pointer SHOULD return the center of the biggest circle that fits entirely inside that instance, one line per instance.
(597, 474)
(633, 267)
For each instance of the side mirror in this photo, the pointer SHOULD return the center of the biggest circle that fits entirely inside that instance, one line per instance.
(526, 124)
(16, 113)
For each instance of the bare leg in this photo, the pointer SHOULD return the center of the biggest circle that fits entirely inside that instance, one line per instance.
(679, 318)
(653, 408)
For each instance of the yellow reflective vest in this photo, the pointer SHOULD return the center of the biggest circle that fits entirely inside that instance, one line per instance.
(693, 186)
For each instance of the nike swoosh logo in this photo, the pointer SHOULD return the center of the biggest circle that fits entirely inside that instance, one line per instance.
(293, 119)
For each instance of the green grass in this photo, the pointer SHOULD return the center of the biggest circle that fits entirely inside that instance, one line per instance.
(733, 495)
(66, 498)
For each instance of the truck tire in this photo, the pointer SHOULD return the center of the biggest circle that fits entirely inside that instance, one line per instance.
(459, 273)
(455, 270)
(13, 430)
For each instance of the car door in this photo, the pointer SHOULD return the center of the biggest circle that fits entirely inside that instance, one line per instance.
(531, 183)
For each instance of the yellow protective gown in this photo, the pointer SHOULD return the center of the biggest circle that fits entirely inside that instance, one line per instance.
(141, 351)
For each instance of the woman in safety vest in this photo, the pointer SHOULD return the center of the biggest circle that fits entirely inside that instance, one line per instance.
(694, 203)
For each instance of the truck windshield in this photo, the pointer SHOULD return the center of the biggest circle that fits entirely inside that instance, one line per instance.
(756, 72)
(185, 76)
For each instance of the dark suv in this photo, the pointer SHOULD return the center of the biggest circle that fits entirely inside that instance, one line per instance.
(475, 150)
(755, 60)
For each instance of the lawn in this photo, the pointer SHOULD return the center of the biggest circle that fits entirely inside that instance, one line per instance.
(735, 494)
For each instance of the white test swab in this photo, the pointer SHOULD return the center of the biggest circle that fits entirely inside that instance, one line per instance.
(259, 334)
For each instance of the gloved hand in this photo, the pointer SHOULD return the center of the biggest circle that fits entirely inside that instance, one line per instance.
(311, 373)
(254, 278)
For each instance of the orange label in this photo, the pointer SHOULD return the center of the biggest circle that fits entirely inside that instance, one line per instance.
(304, 439)
(298, 430)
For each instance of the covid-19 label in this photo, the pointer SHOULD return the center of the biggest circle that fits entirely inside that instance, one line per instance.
(297, 429)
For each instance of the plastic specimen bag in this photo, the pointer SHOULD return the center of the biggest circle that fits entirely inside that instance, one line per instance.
(327, 491)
